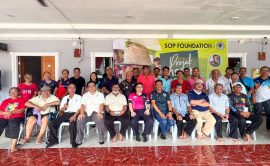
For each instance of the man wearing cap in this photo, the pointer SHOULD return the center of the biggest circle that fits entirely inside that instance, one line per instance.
(240, 108)
(108, 81)
(166, 79)
(162, 106)
(42, 105)
(147, 80)
(199, 102)
(219, 106)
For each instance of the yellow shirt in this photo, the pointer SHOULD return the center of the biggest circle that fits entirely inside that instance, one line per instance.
(40, 101)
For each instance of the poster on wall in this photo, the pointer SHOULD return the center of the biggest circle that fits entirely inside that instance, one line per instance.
(177, 54)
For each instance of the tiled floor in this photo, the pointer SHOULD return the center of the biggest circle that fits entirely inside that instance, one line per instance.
(131, 152)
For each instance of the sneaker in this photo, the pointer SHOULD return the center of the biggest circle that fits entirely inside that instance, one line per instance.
(144, 137)
(138, 138)
(162, 136)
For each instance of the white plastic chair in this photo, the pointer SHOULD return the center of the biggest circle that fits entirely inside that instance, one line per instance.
(155, 129)
(119, 124)
(64, 124)
(131, 130)
(254, 133)
(212, 134)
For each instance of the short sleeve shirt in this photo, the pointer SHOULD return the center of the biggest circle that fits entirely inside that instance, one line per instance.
(127, 87)
(180, 103)
(12, 104)
(74, 103)
(40, 101)
(263, 92)
(107, 83)
(80, 83)
(148, 83)
(166, 83)
(191, 82)
(219, 103)
(138, 102)
(210, 85)
(53, 84)
(237, 103)
(62, 87)
(92, 102)
(185, 86)
(115, 103)
(161, 100)
(247, 82)
(27, 91)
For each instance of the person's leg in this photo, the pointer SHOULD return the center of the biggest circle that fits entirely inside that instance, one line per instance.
(162, 123)
(170, 123)
(258, 109)
(72, 130)
(180, 125)
(266, 108)
(256, 123)
(109, 123)
(199, 124)
(190, 124)
(233, 121)
(3, 125)
(43, 128)
(242, 126)
(31, 122)
(100, 126)
(53, 127)
(12, 131)
(80, 124)
(134, 123)
(209, 124)
(218, 125)
(125, 121)
(148, 121)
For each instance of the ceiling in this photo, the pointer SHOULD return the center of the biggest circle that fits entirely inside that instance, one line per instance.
(90, 18)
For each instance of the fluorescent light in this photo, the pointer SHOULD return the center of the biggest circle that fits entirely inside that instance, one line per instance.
(221, 36)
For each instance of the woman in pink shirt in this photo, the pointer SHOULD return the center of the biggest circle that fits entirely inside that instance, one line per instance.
(139, 106)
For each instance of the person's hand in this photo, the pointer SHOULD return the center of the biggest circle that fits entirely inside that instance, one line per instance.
(7, 114)
(65, 106)
(99, 115)
(112, 113)
(169, 115)
(191, 116)
(179, 117)
(247, 114)
(147, 112)
(72, 119)
(226, 117)
(133, 114)
(45, 107)
(257, 85)
(81, 116)
(253, 100)
(162, 115)
(39, 109)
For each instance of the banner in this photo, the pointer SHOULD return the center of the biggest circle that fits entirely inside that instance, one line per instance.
(174, 53)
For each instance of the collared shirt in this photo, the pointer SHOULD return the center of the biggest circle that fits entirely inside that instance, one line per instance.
(193, 95)
(219, 103)
(139, 102)
(210, 85)
(62, 87)
(107, 83)
(74, 103)
(263, 92)
(127, 87)
(191, 82)
(180, 103)
(166, 83)
(40, 101)
(161, 100)
(185, 86)
(92, 102)
(237, 103)
(115, 103)
(148, 82)
(226, 84)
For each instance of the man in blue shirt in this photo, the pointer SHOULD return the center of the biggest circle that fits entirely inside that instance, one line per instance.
(182, 109)
(162, 106)
(199, 102)
(108, 81)
(166, 79)
(262, 94)
(246, 81)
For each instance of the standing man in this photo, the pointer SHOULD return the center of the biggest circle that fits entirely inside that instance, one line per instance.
(116, 107)
(136, 73)
(108, 81)
(78, 81)
(215, 78)
(262, 94)
(227, 79)
(240, 108)
(92, 105)
(147, 80)
(162, 106)
(195, 75)
(199, 102)
(182, 109)
(127, 86)
(156, 72)
(186, 73)
(69, 110)
(247, 82)
(166, 79)
(219, 106)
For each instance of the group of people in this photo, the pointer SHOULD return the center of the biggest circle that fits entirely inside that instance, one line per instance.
(189, 101)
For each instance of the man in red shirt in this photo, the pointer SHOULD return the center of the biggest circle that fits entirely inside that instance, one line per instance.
(28, 89)
(147, 80)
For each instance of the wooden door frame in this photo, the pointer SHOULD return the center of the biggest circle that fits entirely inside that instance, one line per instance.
(14, 62)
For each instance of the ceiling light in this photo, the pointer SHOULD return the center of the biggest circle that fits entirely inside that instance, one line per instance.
(235, 18)
(11, 15)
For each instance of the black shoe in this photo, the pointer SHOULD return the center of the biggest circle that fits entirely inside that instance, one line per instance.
(144, 137)
(75, 145)
(50, 145)
(101, 143)
(162, 136)
(138, 138)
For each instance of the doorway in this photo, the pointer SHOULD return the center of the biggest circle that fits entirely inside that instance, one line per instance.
(237, 60)
(100, 61)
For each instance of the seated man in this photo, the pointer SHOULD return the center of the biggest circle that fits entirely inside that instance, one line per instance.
(42, 105)
(240, 108)
(162, 106)
(181, 109)
(92, 105)
(69, 110)
(116, 107)
(219, 106)
(199, 102)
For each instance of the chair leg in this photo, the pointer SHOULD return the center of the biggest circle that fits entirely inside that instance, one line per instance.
(60, 133)
(212, 134)
(131, 134)
(193, 135)
(254, 136)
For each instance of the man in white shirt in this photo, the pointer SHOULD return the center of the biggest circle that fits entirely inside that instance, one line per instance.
(116, 107)
(220, 108)
(69, 110)
(215, 78)
(92, 105)
(227, 79)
